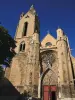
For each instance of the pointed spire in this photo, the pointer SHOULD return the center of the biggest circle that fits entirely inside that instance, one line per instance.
(32, 10)
(22, 14)
(32, 7)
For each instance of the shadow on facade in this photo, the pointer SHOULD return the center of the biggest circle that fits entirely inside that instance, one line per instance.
(9, 92)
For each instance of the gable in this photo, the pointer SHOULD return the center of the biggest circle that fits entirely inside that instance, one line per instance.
(48, 41)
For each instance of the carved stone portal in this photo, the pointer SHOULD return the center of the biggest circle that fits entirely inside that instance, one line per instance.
(49, 60)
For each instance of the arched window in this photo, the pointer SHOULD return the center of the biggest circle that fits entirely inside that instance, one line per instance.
(25, 28)
(22, 46)
(48, 44)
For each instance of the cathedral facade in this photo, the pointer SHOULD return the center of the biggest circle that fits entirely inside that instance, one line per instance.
(43, 69)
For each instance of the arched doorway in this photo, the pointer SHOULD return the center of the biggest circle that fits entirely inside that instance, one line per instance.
(49, 71)
(49, 86)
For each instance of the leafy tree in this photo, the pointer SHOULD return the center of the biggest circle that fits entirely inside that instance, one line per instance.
(1, 72)
(7, 45)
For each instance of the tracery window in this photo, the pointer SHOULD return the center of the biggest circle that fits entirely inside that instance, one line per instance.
(22, 46)
(48, 58)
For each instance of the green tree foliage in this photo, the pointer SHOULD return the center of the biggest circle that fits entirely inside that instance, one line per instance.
(1, 72)
(7, 45)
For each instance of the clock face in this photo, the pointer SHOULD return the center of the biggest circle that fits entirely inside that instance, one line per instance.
(48, 57)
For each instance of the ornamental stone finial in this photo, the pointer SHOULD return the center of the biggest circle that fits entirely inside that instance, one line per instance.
(32, 7)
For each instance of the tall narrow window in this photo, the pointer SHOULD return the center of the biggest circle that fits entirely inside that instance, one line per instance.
(22, 46)
(25, 28)
(30, 81)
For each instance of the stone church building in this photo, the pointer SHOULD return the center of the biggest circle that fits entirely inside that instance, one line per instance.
(43, 69)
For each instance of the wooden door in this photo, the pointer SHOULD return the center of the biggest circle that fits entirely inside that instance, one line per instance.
(49, 92)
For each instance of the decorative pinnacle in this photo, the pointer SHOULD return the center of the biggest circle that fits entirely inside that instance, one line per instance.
(32, 7)
(22, 14)
(59, 28)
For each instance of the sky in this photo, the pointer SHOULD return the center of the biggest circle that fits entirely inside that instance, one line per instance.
(52, 14)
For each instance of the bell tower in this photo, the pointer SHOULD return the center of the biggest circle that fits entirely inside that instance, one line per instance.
(24, 72)
(28, 25)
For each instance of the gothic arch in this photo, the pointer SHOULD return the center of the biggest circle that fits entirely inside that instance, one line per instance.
(48, 73)
(25, 28)
(22, 46)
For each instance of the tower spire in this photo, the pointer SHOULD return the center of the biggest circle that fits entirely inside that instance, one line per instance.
(32, 7)
(32, 10)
